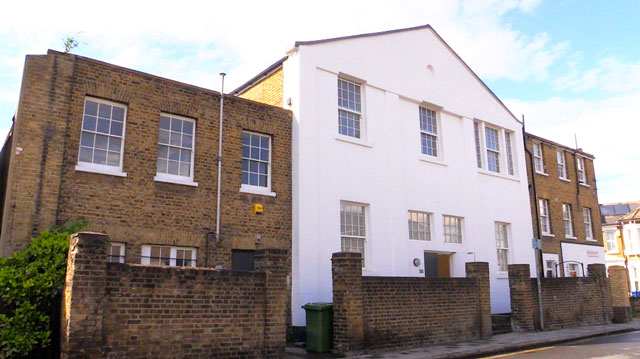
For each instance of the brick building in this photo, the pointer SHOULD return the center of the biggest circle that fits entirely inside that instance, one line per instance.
(564, 207)
(621, 235)
(136, 156)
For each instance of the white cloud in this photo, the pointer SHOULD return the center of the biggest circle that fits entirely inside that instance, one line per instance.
(611, 74)
(247, 36)
(605, 128)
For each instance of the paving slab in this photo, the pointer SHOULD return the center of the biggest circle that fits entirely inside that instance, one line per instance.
(497, 344)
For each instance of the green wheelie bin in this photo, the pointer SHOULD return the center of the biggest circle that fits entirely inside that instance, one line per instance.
(319, 326)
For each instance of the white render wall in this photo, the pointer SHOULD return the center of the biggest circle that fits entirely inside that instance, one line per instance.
(385, 170)
(582, 253)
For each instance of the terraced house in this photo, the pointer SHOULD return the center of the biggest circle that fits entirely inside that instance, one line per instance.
(564, 207)
(401, 153)
(136, 155)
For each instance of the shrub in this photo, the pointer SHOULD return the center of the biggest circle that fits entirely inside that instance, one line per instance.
(29, 281)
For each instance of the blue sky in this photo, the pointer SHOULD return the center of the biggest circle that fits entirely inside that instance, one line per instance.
(571, 67)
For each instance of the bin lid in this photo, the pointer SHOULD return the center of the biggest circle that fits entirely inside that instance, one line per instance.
(318, 306)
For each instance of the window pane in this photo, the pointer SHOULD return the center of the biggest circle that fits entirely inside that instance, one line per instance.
(165, 123)
(86, 154)
(187, 127)
(91, 108)
(100, 157)
(162, 166)
(114, 144)
(104, 110)
(89, 123)
(113, 158)
(87, 139)
(173, 168)
(118, 113)
(163, 152)
(176, 125)
(116, 128)
(163, 137)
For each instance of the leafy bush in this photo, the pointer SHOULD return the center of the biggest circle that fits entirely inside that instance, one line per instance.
(29, 281)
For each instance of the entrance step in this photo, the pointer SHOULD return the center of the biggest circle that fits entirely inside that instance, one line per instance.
(501, 323)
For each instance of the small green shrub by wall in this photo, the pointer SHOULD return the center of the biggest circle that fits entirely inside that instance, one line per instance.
(29, 281)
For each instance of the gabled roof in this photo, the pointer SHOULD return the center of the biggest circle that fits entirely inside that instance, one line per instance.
(278, 63)
(632, 216)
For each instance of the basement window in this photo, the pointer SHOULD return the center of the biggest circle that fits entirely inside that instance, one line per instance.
(168, 256)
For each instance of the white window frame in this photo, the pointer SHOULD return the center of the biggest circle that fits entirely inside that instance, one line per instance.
(260, 190)
(417, 218)
(543, 206)
(538, 159)
(119, 256)
(508, 146)
(582, 173)
(553, 268)
(446, 229)
(477, 135)
(178, 179)
(573, 268)
(568, 221)
(611, 243)
(351, 236)
(503, 244)
(146, 255)
(497, 151)
(360, 115)
(425, 132)
(507, 161)
(588, 224)
(100, 168)
(561, 162)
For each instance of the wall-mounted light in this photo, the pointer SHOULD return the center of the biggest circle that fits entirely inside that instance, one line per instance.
(416, 262)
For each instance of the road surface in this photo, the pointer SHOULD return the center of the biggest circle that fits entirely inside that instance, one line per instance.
(617, 346)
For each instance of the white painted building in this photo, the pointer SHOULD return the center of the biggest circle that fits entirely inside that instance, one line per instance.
(401, 152)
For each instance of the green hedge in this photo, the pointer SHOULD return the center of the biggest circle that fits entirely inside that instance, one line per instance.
(29, 281)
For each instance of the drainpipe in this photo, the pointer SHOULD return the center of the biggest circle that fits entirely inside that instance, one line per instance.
(219, 159)
(539, 259)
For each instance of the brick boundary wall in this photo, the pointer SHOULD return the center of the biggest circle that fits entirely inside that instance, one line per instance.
(567, 302)
(386, 312)
(620, 294)
(114, 310)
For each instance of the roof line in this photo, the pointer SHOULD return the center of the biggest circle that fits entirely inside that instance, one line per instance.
(427, 26)
(264, 73)
(313, 42)
(474, 74)
(578, 151)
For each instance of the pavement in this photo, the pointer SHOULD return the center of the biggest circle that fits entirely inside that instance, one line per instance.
(497, 344)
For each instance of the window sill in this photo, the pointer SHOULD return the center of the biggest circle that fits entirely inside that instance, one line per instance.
(355, 141)
(499, 175)
(542, 173)
(584, 184)
(163, 177)
(591, 240)
(262, 191)
(564, 179)
(548, 235)
(431, 159)
(502, 275)
(570, 237)
(100, 169)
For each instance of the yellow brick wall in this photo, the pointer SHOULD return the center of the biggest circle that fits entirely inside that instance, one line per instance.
(268, 91)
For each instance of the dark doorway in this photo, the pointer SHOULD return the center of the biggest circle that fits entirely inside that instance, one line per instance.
(431, 265)
(242, 260)
(436, 265)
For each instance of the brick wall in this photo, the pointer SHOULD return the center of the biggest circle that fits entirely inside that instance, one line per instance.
(619, 294)
(45, 189)
(268, 90)
(557, 192)
(119, 310)
(567, 302)
(385, 312)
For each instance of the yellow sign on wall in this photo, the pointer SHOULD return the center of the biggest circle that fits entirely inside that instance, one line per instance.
(257, 208)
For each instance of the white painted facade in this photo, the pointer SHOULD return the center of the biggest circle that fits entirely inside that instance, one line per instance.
(385, 169)
(585, 254)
